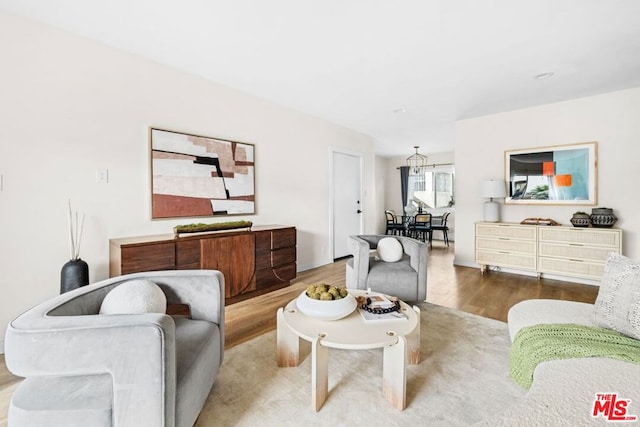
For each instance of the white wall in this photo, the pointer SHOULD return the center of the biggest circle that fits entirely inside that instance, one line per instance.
(610, 119)
(381, 189)
(70, 106)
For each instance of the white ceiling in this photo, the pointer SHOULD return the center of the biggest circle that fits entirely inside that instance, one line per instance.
(354, 62)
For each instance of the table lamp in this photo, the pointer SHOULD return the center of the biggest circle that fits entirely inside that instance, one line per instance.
(489, 189)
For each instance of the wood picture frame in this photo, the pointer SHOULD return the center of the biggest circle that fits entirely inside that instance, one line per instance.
(555, 175)
(196, 176)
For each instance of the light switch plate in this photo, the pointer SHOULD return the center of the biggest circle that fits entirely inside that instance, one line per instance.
(102, 176)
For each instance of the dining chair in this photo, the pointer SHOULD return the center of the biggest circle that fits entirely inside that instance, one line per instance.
(442, 227)
(393, 226)
(420, 227)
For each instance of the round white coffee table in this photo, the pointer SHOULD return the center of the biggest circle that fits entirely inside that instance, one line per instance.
(400, 339)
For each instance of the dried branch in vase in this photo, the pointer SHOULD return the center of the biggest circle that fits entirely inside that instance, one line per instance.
(76, 224)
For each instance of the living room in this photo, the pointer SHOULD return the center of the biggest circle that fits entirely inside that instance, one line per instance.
(71, 106)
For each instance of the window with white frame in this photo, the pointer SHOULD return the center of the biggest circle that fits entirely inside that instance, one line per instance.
(433, 188)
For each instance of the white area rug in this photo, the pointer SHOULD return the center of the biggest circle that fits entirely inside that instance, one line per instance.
(462, 379)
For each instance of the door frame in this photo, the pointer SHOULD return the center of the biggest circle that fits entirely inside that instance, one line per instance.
(359, 155)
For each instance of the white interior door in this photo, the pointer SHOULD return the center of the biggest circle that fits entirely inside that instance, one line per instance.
(347, 203)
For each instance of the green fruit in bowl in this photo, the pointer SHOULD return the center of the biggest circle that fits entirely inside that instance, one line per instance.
(326, 292)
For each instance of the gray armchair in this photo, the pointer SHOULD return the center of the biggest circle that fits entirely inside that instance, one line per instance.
(87, 369)
(406, 279)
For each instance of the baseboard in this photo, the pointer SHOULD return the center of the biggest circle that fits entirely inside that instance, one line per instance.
(1, 346)
(463, 263)
(305, 267)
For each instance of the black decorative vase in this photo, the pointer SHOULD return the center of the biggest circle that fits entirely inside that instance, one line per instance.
(74, 274)
(580, 219)
(603, 217)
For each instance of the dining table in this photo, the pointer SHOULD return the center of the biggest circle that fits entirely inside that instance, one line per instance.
(407, 220)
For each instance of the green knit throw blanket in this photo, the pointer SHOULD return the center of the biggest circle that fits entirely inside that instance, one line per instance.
(540, 343)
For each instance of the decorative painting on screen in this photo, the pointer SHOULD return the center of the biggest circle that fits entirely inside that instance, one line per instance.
(194, 176)
(561, 175)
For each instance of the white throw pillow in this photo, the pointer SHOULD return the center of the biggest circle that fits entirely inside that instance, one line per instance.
(617, 306)
(390, 249)
(133, 297)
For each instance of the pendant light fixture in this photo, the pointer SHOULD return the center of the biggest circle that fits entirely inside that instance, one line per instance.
(416, 162)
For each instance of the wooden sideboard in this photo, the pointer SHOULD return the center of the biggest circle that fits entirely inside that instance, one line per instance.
(253, 261)
(567, 251)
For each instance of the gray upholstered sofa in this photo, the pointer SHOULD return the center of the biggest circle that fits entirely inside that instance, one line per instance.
(405, 279)
(87, 369)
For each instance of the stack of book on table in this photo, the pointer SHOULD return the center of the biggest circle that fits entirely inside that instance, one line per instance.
(379, 301)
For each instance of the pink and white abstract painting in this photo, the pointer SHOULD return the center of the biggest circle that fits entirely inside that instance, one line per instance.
(200, 176)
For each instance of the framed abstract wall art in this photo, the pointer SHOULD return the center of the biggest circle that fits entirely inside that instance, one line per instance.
(193, 176)
(560, 175)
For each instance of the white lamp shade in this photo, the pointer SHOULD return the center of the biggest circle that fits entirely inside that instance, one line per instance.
(493, 188)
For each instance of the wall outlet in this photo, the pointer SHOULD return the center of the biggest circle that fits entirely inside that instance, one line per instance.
(102, 176)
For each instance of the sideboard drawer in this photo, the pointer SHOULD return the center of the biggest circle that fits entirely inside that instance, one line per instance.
(571, 267)
(586, 236)
(283, 256)
(523, 232)
(286, 272)
(268, 277)
(508, 245)
(160, 256)
(283, 238)
(575, 251)
(507, 259)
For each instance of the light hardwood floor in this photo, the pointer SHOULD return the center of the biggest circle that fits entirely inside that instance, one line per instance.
(490, 295)
(464, 288)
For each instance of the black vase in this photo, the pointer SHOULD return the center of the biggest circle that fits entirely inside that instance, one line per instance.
(603, 217)
(74, 274)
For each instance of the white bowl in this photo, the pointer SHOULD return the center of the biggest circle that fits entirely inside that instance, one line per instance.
(326, 310)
